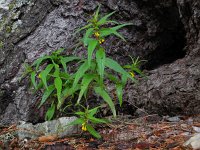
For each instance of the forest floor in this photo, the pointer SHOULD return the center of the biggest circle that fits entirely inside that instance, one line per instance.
(125, 133)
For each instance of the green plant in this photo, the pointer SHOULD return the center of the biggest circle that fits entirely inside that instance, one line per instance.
(88, 120)
(51, 75)
(134, 67)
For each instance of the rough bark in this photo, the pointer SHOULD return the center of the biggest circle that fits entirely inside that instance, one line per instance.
(175, 88)
(165, 32)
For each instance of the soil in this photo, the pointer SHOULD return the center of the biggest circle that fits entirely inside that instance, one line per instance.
(125, 133)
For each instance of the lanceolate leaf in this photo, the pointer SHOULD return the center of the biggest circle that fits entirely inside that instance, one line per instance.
(50, 112)
(87, 35)
(93, 111)
(105, 32)
(44, 74)
(100, 57)
(46, 94)
(63, 64)
(119, 92)
(65, 60)
(81, 71)
(97, 13)
(104, 19)
(39, 61)
(96, 120)
(84, 85)
(33, 74)
(106, 98)
(57, 70)
(108, 31)
(93, 131)
(120, 26)
(75, 122)
(70, 58)
(110, 63)
(119, 35)
(85, 27)
(58, 85)
(91, 47)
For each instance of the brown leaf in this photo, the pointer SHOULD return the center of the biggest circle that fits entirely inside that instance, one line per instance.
(47, 138)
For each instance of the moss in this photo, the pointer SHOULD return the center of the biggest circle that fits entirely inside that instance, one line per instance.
(1, 93)
(11, 6)
(8, 29)
(1, 46)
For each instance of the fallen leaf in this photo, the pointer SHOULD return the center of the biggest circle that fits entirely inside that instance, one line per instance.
(47, 138)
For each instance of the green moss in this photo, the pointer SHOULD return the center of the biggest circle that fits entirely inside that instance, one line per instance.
(11, 6)
(8, 29)
(1, 44)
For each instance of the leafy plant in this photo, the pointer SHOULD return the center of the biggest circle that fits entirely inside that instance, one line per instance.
(134, 67)
(51, 75)
(87, 120)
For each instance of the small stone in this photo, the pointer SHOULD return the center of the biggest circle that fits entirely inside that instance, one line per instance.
(194, 142)
(196, 129)
(173, 119)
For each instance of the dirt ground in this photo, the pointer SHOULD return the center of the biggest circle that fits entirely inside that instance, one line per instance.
(125, 133)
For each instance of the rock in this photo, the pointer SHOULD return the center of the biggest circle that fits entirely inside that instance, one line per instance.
(54, 127)
(196, 129)
(194, 142)
(173, 119)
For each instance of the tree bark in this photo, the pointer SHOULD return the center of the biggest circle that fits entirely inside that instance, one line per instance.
(165, 32)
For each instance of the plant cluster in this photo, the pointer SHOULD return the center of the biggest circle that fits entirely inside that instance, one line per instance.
(51, 75)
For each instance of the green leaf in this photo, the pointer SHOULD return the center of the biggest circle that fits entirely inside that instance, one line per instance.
(118, 35)
(103, 20)
(39, 61)
(85, 27)
(93, 131)
(63, 64)
(58, 85)
(80, 113)
(57, 70)
(96, 120)
(86, 38)
(106, 98)
(121, 26)
(119, 92)
(69, 91)
(65, 60)
(64, 75)
(93, 111)
(138, 71)
(33, 74)
(46, 94)
(110, 63)
(44, 74)
(127, 66)
(97, 13)
(79, 74)
(105, 32)
(124, 80)
(91, 47)
(58, 51)
(100, 58)
(112, 77)
(111, 21)
(77, 121)
(108, 31)
(69, 59)
(84, 85)
(50, 112)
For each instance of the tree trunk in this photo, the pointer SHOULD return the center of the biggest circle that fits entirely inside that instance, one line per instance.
(165, 32)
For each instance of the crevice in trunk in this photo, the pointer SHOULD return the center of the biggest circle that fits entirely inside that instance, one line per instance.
(171, 42)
